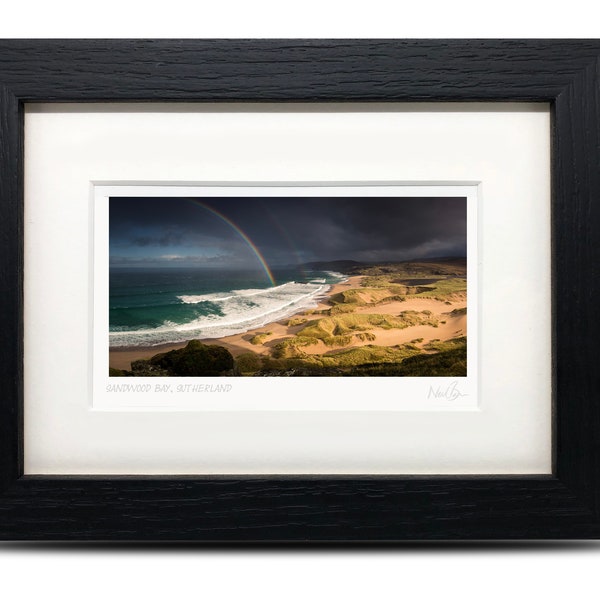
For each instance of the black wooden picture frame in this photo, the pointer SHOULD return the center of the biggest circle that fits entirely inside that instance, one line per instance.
(566, 504)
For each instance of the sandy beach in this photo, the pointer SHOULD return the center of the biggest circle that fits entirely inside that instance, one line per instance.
(449, 326)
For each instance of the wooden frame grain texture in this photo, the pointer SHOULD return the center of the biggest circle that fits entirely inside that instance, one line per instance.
(566, 504)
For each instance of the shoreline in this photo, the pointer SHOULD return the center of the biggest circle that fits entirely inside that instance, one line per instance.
(449, 327)
(120, 357)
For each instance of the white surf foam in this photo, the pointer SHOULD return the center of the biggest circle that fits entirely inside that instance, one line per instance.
(241, 310)
(196, 299)
(335, 275)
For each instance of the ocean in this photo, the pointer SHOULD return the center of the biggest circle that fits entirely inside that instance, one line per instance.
(156, 306)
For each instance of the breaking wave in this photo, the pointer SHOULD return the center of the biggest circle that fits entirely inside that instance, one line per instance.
(228, 313)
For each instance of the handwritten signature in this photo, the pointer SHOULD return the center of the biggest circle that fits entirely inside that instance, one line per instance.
(449, 393)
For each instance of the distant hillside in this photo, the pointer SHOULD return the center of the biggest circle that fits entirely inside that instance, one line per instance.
(459, 260)
(427, 268)
(333, 265)
(445, 265)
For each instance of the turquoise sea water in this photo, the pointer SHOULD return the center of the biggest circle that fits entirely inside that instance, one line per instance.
(155, 306)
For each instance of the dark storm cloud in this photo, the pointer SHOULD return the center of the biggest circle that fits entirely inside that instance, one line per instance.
(287, 230)
(376, 228)
(170, 237)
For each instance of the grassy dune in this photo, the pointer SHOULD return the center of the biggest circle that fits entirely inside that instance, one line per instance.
(259, 339)
(405, 360)
(340, 325)
(353, 332)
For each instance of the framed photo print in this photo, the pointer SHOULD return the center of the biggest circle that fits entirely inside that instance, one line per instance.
(254, 283)
(298, 290)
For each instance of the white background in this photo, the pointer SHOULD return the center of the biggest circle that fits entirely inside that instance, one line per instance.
(490, 572)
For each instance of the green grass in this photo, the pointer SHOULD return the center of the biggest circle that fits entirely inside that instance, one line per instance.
(387, 280)
(196, 359)
(112, 372)
(349, 300)
(347, 297)
(248, 363)
(439, 290)
(289, 359)
(292, 347)
(414, 269)
(383, 281)
(405, 360)
(275, 364)
(337, 340)
(450, 363)
(344, 324)
(444, 288)
(366, 336)
(260, 338)
(363, 295)
(337, 330)
(352, 357)
(393, 298)
(294, 321)
(339, 309)
(438, 346)
(367, 354)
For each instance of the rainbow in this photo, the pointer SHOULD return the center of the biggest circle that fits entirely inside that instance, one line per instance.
(248, 241)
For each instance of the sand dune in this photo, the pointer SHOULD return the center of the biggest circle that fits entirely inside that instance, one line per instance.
(449, 326)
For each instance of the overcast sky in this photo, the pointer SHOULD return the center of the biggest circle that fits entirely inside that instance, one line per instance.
(186, 232)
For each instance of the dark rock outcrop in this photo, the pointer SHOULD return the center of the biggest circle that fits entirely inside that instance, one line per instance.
(195, 360)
